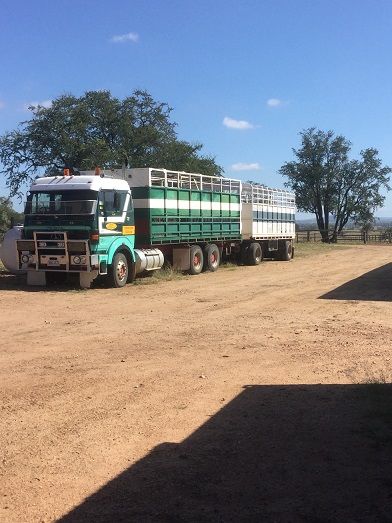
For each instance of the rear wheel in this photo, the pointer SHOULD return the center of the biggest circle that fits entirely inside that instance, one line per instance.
(254, 254)
(211, 257)
(119, 270)
(197, 260)
(285, 251)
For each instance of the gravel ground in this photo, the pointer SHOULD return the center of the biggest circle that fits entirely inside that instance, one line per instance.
(233, 396)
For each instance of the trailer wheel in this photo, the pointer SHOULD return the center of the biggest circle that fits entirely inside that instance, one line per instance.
(255, 254)
(285, 251)
(197, 259)
(211, 257)
(119, 270)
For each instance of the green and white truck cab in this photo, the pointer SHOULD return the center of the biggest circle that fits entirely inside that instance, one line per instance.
(83, 224)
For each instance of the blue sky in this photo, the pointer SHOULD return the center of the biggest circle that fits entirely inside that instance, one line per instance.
(243, 77)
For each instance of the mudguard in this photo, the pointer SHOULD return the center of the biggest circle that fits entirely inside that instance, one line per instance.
(120, 242)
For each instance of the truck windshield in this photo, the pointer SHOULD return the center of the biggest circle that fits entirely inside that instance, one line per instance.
(62, 202)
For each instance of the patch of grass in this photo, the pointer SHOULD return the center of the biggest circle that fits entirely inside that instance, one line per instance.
(376, 379)
(305, 249)
(377, 394)
(165, 274)
(145, 281)
(230, 266)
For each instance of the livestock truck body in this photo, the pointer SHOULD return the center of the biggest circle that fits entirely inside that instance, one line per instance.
(124, 222)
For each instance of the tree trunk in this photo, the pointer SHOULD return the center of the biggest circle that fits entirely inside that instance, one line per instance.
(320, 223)
(324, 236)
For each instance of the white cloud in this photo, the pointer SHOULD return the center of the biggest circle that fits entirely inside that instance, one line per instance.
(127, 37)
(274, 102)
(236, 124)
(241, 166)
(45, 103)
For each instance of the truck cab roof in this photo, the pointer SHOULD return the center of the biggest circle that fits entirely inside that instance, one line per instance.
(84, 182)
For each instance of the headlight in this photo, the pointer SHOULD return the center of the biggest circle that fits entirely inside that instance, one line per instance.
(76, 260)
(25, 258)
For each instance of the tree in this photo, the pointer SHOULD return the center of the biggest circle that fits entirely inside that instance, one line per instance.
(97, 129)
(333, 187)
(7, 216)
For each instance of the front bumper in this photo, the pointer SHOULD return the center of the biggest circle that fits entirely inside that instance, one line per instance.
(53, 251)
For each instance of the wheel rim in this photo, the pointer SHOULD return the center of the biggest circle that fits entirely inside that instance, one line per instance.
(121, 270)
(196, 261)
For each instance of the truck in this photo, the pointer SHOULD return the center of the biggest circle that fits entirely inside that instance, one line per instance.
(117, 224)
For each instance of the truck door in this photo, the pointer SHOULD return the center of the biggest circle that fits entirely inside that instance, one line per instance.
(115, 212)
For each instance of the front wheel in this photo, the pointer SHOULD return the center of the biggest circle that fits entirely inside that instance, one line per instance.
(119, 270)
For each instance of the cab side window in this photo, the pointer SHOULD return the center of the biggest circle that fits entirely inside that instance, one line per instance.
(111, 203)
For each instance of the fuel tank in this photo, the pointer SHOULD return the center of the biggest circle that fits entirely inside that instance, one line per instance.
(148, 260)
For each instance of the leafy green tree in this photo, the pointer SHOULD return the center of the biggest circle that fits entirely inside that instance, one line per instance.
(8, 216)
(186, 155)
(333, 187)
(97, 129)
(366, 222)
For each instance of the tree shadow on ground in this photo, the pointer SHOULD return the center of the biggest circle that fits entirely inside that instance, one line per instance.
(374, 285)
(17, 282)
(306, 453)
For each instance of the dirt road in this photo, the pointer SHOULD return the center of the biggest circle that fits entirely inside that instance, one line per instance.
(222, 397)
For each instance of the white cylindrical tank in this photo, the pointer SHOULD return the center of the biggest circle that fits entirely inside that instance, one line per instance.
(8, 252)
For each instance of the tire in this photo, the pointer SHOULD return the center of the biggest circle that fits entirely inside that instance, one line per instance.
(255, 254)
(131, 271)
(197, 260)
(243, 254)
(119, 270)
(285, 251)
(212, 257)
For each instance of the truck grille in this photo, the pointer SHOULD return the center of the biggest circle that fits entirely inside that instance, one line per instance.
(54, 251)
(47, 242)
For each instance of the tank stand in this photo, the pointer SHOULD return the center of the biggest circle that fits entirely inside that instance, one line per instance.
(87, 278)
(36, 278)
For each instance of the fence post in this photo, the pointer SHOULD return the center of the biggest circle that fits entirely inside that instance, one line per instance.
(308, 236)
